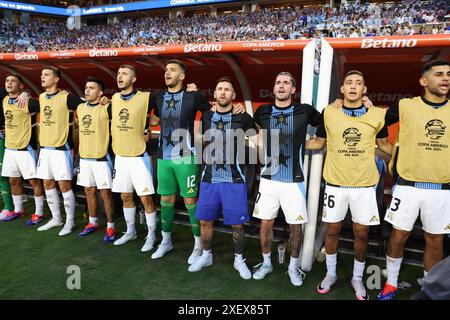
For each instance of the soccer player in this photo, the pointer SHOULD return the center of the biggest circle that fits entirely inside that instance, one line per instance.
(55, 163)
(282, 177)
(421, 162)
(222, 187)
(132, 168)
(8, 205)
(20, 155)
(176, 109)
(350, 171)
(92, 119)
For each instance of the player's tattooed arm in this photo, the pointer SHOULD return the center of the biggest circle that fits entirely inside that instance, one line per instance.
(384, 145)
(316, 143)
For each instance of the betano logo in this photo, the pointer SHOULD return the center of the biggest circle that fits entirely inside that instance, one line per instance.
(211, 47)
(387, 43)
(26, 56)
(103, 53)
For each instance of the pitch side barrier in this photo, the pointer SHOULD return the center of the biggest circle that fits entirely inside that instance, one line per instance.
(391, 66)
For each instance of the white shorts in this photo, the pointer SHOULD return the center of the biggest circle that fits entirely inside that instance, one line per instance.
(133, 173)
(433, 205)
(55, 165)
(95, 174)
(19, 163)
(289, 196)
(361, 201)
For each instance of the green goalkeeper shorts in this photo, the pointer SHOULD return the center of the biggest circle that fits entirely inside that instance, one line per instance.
(177, 174)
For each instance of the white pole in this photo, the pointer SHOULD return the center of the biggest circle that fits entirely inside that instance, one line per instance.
(307, 257)
(306, 95)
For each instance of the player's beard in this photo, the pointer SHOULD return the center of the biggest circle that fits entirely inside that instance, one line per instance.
(435, 91)
(283, 97)
(224, 104)
(173, 83)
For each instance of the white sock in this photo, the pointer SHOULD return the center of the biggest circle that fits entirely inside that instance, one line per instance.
(166, 237)
(206, 253)
(130, 219)
(69, 206)
(150, 218)
(53, 203)
(266, 257)
(358, 270)
(393, 268)
(18, 203)
(238, 257)
(293, 263)
(425, 273)
(110, 225)
(93, 221)
(39, 204)
(198, 242)
(331, 261)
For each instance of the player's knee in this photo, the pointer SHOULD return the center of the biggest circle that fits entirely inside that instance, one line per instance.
(106, 194)
(361, 235)
(90, 191)
(398, 238)
(65, 186)
(15, 182)
(49, 184)
(434, 240)
(170, 198)
(190, 201)
(127, 199)
(266, 225)
(147, 202)
(333, 230)
(205, 224)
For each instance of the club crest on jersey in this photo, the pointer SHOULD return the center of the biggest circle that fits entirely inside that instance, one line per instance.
(435, 129)
(47, 112)
(351, 136)
(124, 115)
(9, 116)
(87, 121)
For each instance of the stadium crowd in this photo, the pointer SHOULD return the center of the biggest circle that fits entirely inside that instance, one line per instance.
(80, 3)
(354, 20)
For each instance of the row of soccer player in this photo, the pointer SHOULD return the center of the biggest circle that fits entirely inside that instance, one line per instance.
(350, 133)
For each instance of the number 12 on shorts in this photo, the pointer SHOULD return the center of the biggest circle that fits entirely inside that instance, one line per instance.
(190, 183)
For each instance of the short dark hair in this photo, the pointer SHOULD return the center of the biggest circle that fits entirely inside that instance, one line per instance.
(15, 75)
(178, 62)
(129, 66)
(286, 73)
(352, 72)
(56, 71)
(100, 83)
(435, 63)
(225, 79)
